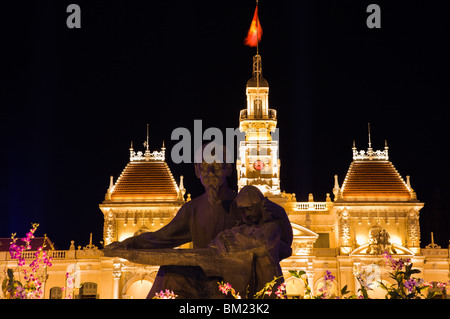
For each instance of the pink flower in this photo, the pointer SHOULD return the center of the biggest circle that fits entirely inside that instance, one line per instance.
(225, 288)
(168, 294)
(281, 291)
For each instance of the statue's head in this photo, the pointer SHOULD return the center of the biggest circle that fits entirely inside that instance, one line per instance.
(250, 203)
(212, 167)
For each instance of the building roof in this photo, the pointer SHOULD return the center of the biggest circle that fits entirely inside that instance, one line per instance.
(252, 82)
(145, 180)
(374, 180)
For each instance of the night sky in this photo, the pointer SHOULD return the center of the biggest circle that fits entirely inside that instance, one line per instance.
(72, 100)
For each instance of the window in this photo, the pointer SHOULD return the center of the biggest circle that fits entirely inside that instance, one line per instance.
(323, 241)
(56, 293)
(88, 290)
(257, 107)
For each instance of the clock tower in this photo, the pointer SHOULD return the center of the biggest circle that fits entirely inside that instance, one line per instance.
(258, 162)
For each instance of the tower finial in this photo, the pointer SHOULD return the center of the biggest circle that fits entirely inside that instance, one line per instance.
(111, 183)
(336, 187)
(370, 142)
(146, 145)
(132, 153)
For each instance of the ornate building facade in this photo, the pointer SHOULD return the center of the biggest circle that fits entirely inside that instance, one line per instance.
(373, 209)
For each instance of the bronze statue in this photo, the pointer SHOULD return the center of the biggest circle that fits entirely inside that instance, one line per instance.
(198, 221)
(264, 231)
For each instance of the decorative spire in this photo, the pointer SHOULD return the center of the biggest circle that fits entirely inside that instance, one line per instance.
(110, 189)
(432, 245)
(90, 246)
(369, 149)
(111, 183)
(408, 181)
(257, 69)
(411, 190)
(336, 187)
(146, 144)
(132, 152)
(370, 154)
(147, 155)
(181, 188)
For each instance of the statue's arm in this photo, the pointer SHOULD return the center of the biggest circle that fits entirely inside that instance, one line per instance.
(175, 233)
(278, 213)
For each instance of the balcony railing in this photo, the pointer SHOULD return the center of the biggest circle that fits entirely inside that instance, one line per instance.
(30, 254)
(272, 115)
(311, 206)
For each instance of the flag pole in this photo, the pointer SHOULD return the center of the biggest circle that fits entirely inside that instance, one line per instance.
(257, 48)
(257, 27)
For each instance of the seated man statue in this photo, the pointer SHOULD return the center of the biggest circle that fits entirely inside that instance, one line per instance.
(197, 221)
(264, 225)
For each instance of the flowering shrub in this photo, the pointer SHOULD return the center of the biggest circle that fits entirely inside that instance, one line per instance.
(168, 294)
(437, 287)
(31, 287)
(267, 290)
(226, 288)
(325, 290)
(406, 286)
(365, 279)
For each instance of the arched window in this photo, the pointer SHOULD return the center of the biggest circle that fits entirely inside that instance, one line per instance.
(56, 293)
(257, 108)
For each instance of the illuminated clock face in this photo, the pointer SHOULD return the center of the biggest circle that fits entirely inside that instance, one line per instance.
(258, 165)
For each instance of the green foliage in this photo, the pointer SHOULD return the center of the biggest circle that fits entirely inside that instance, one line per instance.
(406, 286)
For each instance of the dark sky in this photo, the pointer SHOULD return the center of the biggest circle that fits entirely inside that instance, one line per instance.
(73, 99)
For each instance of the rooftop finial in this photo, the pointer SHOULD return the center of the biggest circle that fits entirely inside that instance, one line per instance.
(370, 154)
(146, 145)
(432, 245)
(132, 152)
(111, 183)
(336, 187)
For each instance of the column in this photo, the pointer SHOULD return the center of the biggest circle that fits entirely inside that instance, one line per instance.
(117, 272)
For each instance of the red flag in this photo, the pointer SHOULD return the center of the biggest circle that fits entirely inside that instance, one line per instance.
(255, 31)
